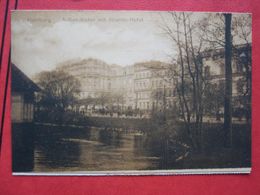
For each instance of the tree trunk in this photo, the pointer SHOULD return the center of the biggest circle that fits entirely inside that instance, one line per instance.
(228, 83)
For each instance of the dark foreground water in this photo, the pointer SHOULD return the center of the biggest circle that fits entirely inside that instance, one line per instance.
(45, 148)
(41, 148)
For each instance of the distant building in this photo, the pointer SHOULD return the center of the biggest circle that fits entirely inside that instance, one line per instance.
(23, 90)
(214, 64)
(148, 85)
(100, 79)
(127, 86)
(138, 83)
(94, 75)
(152, 85)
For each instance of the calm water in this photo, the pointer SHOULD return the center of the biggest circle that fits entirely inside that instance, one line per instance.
(41, 148)
(84, 149)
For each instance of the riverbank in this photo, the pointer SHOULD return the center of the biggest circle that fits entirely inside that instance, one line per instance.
(125, 123)
(158, 132)
(102, 122)
(58, 147)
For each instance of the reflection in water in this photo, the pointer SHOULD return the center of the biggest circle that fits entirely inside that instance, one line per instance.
(22, 147)
(110, 137)
(89, 149)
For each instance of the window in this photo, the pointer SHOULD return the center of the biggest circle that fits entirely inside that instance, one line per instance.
(239, 67)
(161, 83)
(25, 112)
(17, 106)
(169, 92)
(207, 71)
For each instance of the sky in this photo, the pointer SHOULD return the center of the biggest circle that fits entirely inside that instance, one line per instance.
(42, 39)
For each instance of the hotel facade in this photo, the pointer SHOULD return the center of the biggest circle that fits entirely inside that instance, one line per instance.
(147, 85)
(138, 84)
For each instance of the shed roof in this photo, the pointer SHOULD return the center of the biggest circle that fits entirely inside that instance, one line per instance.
(20, 82)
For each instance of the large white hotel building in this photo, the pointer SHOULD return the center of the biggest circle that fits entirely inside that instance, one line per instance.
(146, 85)
(137, 83)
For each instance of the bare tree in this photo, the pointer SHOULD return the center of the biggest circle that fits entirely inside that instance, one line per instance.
(235, 36)
(118, 98)
(187, 71)
(59, 89)
(103, 98)
(242, 30)
(241, 34)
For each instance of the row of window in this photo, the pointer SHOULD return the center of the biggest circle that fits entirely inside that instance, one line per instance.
(28, 112)
(142, 85)
(159, 83)
(159, 94)
(143, 95)
(218, 69)
(140, 75)
(147, 74)
(147, 105)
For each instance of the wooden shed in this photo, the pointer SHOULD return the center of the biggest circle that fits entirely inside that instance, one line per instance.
(23, 90)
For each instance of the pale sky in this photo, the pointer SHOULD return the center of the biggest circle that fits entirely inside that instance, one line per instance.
(42, 39)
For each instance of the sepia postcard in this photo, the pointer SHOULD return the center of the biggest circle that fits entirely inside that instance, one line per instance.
(130, 92)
